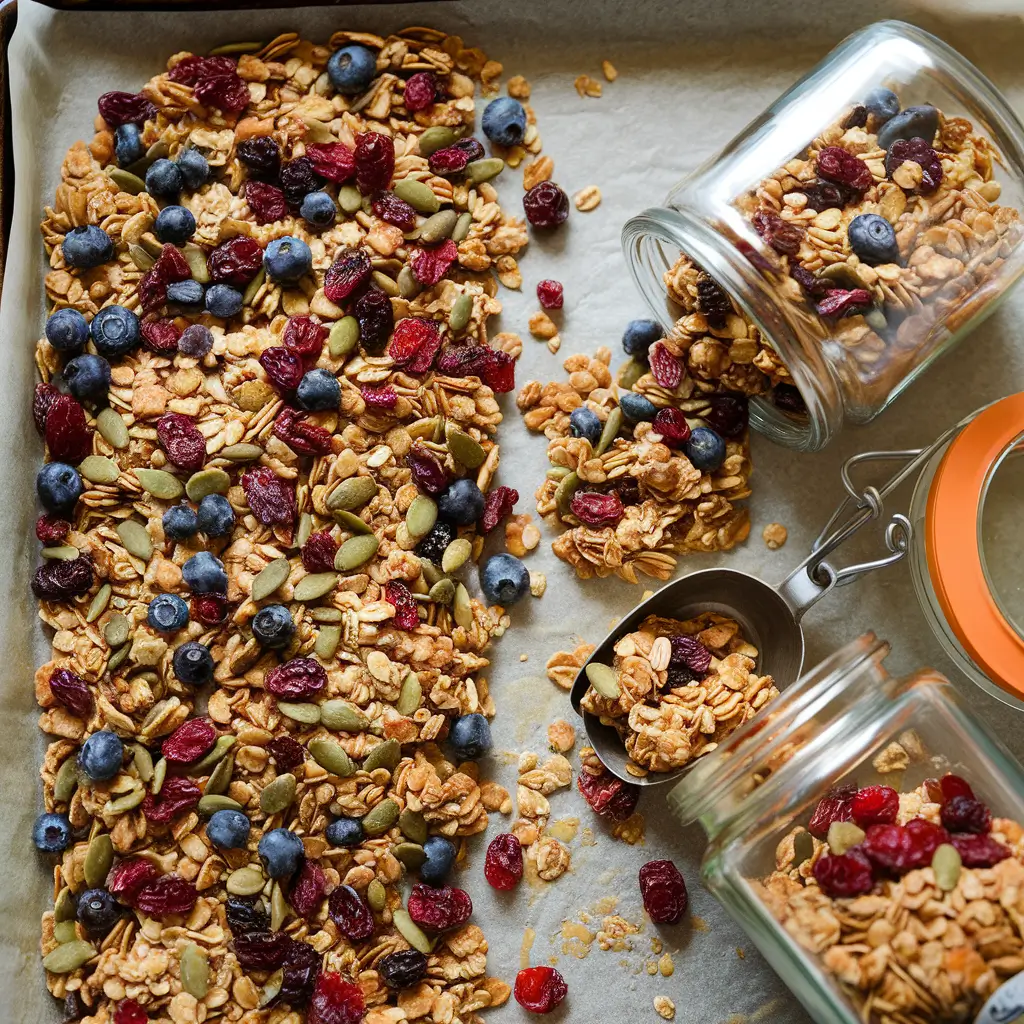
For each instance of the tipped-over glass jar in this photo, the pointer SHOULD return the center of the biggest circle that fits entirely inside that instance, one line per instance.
(867, 833)
(846, 238)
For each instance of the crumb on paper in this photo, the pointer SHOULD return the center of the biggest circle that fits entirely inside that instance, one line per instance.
(542, 326)
(588, 199)
(666, 966)
(632, 830)
(538, 583)
(554, 344)
(587, 86)
(561, 736)
(609, 71)
(740, 953)
(615, 933)
(518, 88)
(563, 666)
(774, 536)
(508, 272)
(665, 1007)
(524, 657)
(537, 171)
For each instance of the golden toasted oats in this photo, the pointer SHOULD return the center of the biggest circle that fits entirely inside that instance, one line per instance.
(587, 86)
(774, 536)
(587, 199)
(608, 70)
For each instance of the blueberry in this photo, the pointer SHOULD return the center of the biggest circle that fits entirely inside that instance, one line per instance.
(584, 423)
(882, 104)
(51, 833)
(193, 664)
(196, 340)
(873, 239)
(440, 860)
(504, 121)
(223, 301)
(128, 145)
(180, 522)
(186, 293)
(705, 449)
(174, 224)
(345, 832)
(273, 626)
(216, 516)
(636, 408)
(504, 579)
(193, 168)
(462, 503)
(115, 331)
(87, 247)
(87, 376)
(101, 755)
(167, 613)
(318, 389)
(67, 330)
(470, 735)
(98, 911)
(228, 829)
(59, 486)
(281, 852)
(912, 123)
(204, 574)
(287, 259)
(352, 69)
(639, 336)
(318, 209)
(164, 179)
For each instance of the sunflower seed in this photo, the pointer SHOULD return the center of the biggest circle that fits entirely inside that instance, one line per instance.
(418, 195)
(66, 783)
(340, 715)
(331, 755)
(278, 796)
(220, 777)
(115, 632)
(64, 553)
(98, 469)
(98, 605)
(314, 586)
(160, 484)
(270, 578)
(68, 957)
(195, 971)
(196, 260)
(435, 138)
(462, 609)
(112, 428)
(99, 857)
(136, 539)
(272, 988)
(352, 493)
(410, 696)
(322, 614)
(604, 679)
(240, 452)
(245, 881)
(462, 310)
(207, 481)
(307, 714)
(253, 287)
(351, 521)
(411, 932)
(327, 640)
(381, 818)
(384, 755)
(317, 131)
(159, 774)
(142, 759)
(142, 259)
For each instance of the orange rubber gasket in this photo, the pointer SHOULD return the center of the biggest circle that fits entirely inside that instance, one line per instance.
(952, 546)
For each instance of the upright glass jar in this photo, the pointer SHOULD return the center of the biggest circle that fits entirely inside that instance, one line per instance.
(856, 244)
(908, 944)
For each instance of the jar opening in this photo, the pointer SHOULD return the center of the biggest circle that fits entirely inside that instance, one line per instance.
(999, 533)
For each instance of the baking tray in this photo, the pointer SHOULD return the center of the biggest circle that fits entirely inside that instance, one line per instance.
(691, 76)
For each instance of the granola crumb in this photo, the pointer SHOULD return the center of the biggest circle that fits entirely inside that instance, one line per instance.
(561, 736)
(524, 657)
(538, 583)
(588, 199)
(609, 71)
(542, 326)
(894, 758)
(587, 86)
(554, 344)
(774, 535)
(666, 966)
(537, 171)
(740, 953)
(632, 830)
(563, 666)
(665, 1007)
(518, 88)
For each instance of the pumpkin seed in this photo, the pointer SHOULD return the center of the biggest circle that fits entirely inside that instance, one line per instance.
(64, 553)
(278, 796)
(126, 181)
(303, 530)
(408, 286)
(410, 854)
(270, 577)
(64, 908)
(604, 679)
(630, 372)
(343, 716)
(69, 956)
(842, 275)
(143, 761)
(327, 640)
(136, 539)
(220, 777)
(66, 783)
(352, 493)
(278, 907)
(350, 199)
(112, 428)
(326, 614)
(318, 131)
(117, 658)
(331, 755)
(381, 818)
(249, 295)
(384, 755)
(99, 857)
(128, 802)
(612, 425)
(115, 632)
(376, 895)
(196, 260)
(566, 488)
(386, 284)
(205, 764)
(159, 774)
(435, 138)
(160, 484)
(478, 171)
(245, 881)
(195, 971)
(315, 586)
(421, 516)
(875, 319)
(159, 149)
(307, 714)
(462, 310)
(443, 591)
(410, 696)
(98, 605)
(356, 551)
(462, 226)
(843, 836)
(557, 472)
(462, 609)
(227, 49)
(438, 227)
(431, 573)
(151, 245)
(417, 194)
(803, 847)
(410, 931)
(456, 554)
(142, 259)
(98, 469)
(463, 447)
(65, 931)
(207, 481)
(413, 826)
(946, 864)
(240, 452)
(272, 989)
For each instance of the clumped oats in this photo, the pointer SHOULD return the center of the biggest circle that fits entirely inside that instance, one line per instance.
(774, 536)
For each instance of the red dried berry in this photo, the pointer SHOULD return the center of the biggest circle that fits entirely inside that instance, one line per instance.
(430, 265)
(824, 195)
(550, 294)
(844, 168)
(607, 795)
(597, 510)
(160, 335)
(51, 530)
(261, 155)
(788, 398)
(266, 201)
(921, 153)
(838, 303)
(816, 287)
(950, 786)
(875, 805)
(540, 989)
(298, 179)
(503, 865)
(672, 425)
(349, 272)
(420, 92)
(979, 851)
(728, 414)
(61, 580)
(415, 342)
(70, 690)
(712, 301)
(755, 258)
(399, 596)
(302, 436)
(318, 552)
(283, 366)
(384, 397)
(925, 838)
(170, 267)
(288, 753)
(236, 261)
(496, 369)
(129, 876)
(176, 796)
(118, 108)
(427, 472)
(209, 609)
(375, 162)
(844, 876)
(498, 503)
(450, 160)
(689, 651)
(332, 160)
(190, 741)
(181, 440)
(262, 951)
(271, 498)
(836, 805)
(335, 1001)
(888, 847)
(308, 889)
(301, 968)
(192, 69)
(965, 814)
(228, 93)
(389, 207)
(546, 205)
(473, 148)
(305, 337)
(129, 1012)
(665, 367)
(42, 398)
(68, 436)
(169, 894)
(440, 909)
(351, 913)
(782, 236)
(373, 312)
(664, 892)
(296, 679)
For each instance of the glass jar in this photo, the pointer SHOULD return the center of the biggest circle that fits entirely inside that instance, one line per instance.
(848, 723)
(826, 326)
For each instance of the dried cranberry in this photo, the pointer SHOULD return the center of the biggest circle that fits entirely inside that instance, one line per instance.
(550, 294)
(836, 805)
(71, 691)
(608, 795)
(664, 892)
(889, 847)
(788, 398)
(129, 1012)
(824, 195)
(430, 265)
(844, 168)
(61, 580)
(246, 914)
(296, 679)
(689, 651)
(335, 1001)
(375, 162)
(389, 207)
(305, 336)
(129, 876)
(261, 155)
(318, 552)
(308, 889)
(925, 838)
(450, 160)
(496, 369)
(349, 272)
(262, 951)
(383, 397)
(856, 118)
(952, 785)
(473, 148)
(192, 69)
(169, 268)
(298, 178)
(399, 596)
(228, 93)
(266, 201)
(420, 92)
(503, 865)
(439, 909)
(965, 814)
(540, 989)
(301, 969)
(979, 851)
(816, 287)
(416, 340)
(271, 498)
(728, 415)
(680, 675)
(189, 741)
(176, 796)
(332, 160)
(875, 805)
(843, 876)
(283, 367)
(672, 425)
(118, 108)
(498, 503)
(42, 398)
(755, 258)
(287, 753)
(68, 436)
(665, 367)
(160, 334)
(181, 440)
(236, 261)
(302, 436)
(51, 530)
(351, 913)
(712, 301)
(782, 236)
(402, 969)
(546, 205)
(427, 472)
(838, 303)
(921, 153)
(209, 609)
(169, 894)
(373, 311)
(597, 510)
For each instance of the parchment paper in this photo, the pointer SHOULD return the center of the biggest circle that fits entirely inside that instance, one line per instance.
(691, 75)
